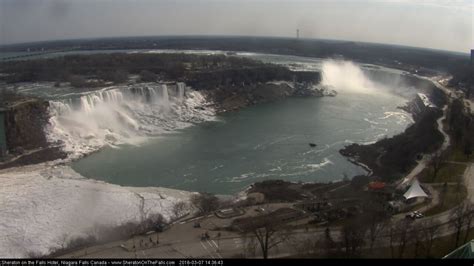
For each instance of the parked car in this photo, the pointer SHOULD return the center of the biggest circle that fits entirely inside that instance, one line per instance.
(418, 214)
(414, 215)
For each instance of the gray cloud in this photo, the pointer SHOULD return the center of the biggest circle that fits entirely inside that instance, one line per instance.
(436, 24)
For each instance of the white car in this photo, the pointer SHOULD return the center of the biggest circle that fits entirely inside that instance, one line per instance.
(414, 215)
(418, 214)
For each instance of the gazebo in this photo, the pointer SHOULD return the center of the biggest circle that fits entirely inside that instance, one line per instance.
(415, 191)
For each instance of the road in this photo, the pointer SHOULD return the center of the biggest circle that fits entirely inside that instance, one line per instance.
(183, 240)
(426, 157)
(469, 182)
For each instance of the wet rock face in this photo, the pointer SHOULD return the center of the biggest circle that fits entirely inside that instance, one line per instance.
(24, 123)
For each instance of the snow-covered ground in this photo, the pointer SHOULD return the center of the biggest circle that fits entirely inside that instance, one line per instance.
(43, 207)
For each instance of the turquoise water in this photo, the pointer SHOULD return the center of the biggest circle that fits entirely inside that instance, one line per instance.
(269, 141)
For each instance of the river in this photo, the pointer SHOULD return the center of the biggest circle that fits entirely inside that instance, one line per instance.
(268, 141)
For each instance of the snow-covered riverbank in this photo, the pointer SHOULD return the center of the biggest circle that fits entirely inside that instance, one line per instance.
(44, 207)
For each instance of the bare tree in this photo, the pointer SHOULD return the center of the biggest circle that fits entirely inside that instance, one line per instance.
(393, 239)
(436, 163)
(179, 208)
(151, 222)
(430, 231)
(328, 242)
(375, 225)
(462, 215)
(353, 235)
(399, 237)
(205, 202)
(467, 148)
(268, 235)
(416, 234)
(444, 191)
(469, 215)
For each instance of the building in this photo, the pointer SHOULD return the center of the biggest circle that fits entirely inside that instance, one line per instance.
(415, 191)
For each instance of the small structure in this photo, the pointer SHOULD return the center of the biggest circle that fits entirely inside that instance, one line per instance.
(465, 251)
(376, 185)
(415, 191)
(229, 213)
(381, 190)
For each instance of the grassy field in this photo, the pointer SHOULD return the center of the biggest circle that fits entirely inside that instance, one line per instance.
(449, 172)
(457, 155)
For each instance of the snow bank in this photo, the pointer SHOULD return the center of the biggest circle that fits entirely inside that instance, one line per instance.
(43, 208)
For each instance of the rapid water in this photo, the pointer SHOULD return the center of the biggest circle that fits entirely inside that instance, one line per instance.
(268, 141)
(84, 123)
(263, 142)
(153, 134)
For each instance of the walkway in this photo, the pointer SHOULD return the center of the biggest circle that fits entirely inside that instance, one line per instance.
(469, 182)
(426, 157)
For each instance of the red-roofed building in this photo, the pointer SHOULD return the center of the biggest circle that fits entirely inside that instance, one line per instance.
(376, 185)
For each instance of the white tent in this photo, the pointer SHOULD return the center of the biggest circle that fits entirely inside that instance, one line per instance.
(415, 191)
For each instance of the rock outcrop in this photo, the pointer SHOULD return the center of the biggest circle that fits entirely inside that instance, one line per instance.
(26, 143)
(234, 98)
(24, 121)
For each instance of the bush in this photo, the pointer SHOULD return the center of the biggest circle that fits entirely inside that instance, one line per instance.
(205, 202)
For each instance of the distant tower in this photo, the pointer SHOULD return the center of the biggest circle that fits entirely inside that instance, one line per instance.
(472, 57)
(298, 36)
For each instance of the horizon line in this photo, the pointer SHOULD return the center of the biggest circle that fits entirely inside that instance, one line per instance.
(235, 36)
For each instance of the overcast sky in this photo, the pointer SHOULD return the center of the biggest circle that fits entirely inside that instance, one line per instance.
(439, 24)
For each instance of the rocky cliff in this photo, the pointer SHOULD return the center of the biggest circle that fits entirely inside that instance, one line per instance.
(24, 122)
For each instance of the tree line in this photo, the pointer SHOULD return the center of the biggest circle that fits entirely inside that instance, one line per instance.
(200, 71)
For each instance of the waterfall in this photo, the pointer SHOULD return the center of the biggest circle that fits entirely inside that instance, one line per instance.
(181, 87)
(164, 94)
(153, 94)
(122, 115)
(164, 98)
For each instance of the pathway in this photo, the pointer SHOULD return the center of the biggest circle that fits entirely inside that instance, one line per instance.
(469, 182)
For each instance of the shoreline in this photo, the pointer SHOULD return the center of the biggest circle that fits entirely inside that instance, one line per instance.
(110, 184)
(420, 165)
